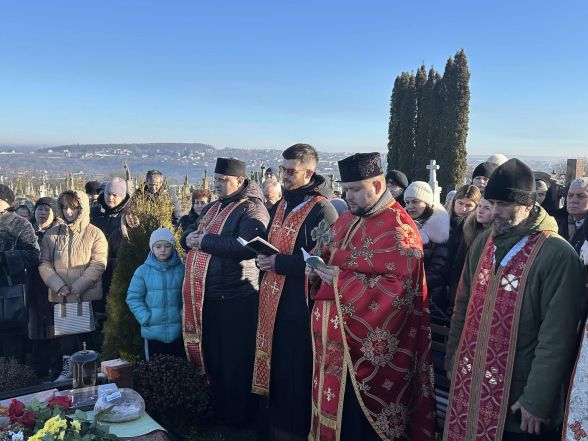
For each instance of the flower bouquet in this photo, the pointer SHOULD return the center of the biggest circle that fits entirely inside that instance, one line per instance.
(48, 422)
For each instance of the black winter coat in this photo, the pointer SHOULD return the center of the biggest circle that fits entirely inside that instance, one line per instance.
(232, 272)
(40, 310)
(109, 220)
(293, 304)
(19, 249)
(435, 234)
(188, 219)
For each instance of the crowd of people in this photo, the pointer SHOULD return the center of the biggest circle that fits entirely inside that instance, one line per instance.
(337, 346)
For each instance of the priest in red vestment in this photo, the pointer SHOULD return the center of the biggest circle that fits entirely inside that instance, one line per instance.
(372, 378)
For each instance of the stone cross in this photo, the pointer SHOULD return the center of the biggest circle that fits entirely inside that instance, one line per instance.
(433, 167)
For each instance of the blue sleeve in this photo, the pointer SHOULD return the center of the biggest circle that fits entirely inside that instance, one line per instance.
(136, 297)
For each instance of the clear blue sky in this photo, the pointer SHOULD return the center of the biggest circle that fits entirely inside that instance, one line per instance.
(268, 74)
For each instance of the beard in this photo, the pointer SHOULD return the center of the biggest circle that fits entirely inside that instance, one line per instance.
(358, 211)
(504, 226)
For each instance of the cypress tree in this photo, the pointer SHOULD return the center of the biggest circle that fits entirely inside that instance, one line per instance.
(393, 127)
(407, 108)
(422, 126)
(454, 152)
(122, 336)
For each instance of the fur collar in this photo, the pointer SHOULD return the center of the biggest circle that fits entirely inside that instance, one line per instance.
(436, 228)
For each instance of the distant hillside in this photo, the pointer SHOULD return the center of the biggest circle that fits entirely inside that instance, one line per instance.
(134, 148)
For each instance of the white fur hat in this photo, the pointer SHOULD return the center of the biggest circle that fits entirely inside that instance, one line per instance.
(421, 191)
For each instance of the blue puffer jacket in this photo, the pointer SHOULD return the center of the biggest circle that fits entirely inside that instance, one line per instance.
(155, 298)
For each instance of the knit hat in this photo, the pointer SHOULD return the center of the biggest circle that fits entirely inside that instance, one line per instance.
(498, 159)
(513, 181)
(92, 187)
(50, 202)
(541, 185)
(484, 169)
(117, 186)
(398, 178)
(421, 191)
(162, 234)
(6, 194)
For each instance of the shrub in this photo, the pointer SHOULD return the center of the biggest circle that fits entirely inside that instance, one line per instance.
(173, 391)
(14, 375)
(122, 337)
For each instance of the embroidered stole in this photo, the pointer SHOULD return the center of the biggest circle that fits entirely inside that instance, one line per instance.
(576, 419)
(194, 284)
(282, 235)
(480, 384)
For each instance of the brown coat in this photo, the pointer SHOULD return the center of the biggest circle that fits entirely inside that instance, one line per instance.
(74, 255)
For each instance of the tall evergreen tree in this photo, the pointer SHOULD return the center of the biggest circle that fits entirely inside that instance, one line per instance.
(422, 125)
(407, 124)
(429, 117)
(393, 127)
(454, 152)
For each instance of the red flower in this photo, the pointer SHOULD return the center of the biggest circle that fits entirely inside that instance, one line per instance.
(61, 401)
(18, 414)
(15, 409)
(27, 419)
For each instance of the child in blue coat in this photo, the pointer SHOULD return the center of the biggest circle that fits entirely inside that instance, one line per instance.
(155, 296)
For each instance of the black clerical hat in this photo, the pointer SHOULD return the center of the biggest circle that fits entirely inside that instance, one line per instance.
(229, 167)
(360, 166)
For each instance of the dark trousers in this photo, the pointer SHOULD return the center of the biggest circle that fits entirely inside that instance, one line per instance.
(12, 343)
(355, 425)
(45, 357)
(228, 344)
(70, 344)
(549, 436)
(290, 398)
(175, 348)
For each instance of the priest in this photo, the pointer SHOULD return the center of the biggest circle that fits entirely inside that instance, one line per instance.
(220, 290)
(372, 376)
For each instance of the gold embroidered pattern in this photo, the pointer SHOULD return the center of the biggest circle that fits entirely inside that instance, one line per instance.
(493, 376)
(379, 347)
(465, 365)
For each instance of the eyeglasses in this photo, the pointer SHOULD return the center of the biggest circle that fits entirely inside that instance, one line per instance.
(290, 171)
(199, 203)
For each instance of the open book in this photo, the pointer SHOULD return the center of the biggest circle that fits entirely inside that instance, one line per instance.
(313, 261)
(259, 246)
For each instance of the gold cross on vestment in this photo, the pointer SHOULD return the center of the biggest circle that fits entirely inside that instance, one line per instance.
(290, 229)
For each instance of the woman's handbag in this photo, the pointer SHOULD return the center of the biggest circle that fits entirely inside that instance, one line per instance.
(73, 318)
(13, 306)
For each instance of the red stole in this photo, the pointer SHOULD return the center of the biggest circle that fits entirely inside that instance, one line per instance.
(194, 284)
(484, 361)
(282, 235)
(374, 326)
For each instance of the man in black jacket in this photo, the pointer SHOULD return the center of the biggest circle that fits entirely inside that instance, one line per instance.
(220, 290)
(283, 335)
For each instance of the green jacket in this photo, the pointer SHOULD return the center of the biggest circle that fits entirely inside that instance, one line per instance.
(548, 327)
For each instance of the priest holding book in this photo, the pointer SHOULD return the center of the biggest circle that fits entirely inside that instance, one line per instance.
(372, 375)
(283, 356)
(220, 290)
